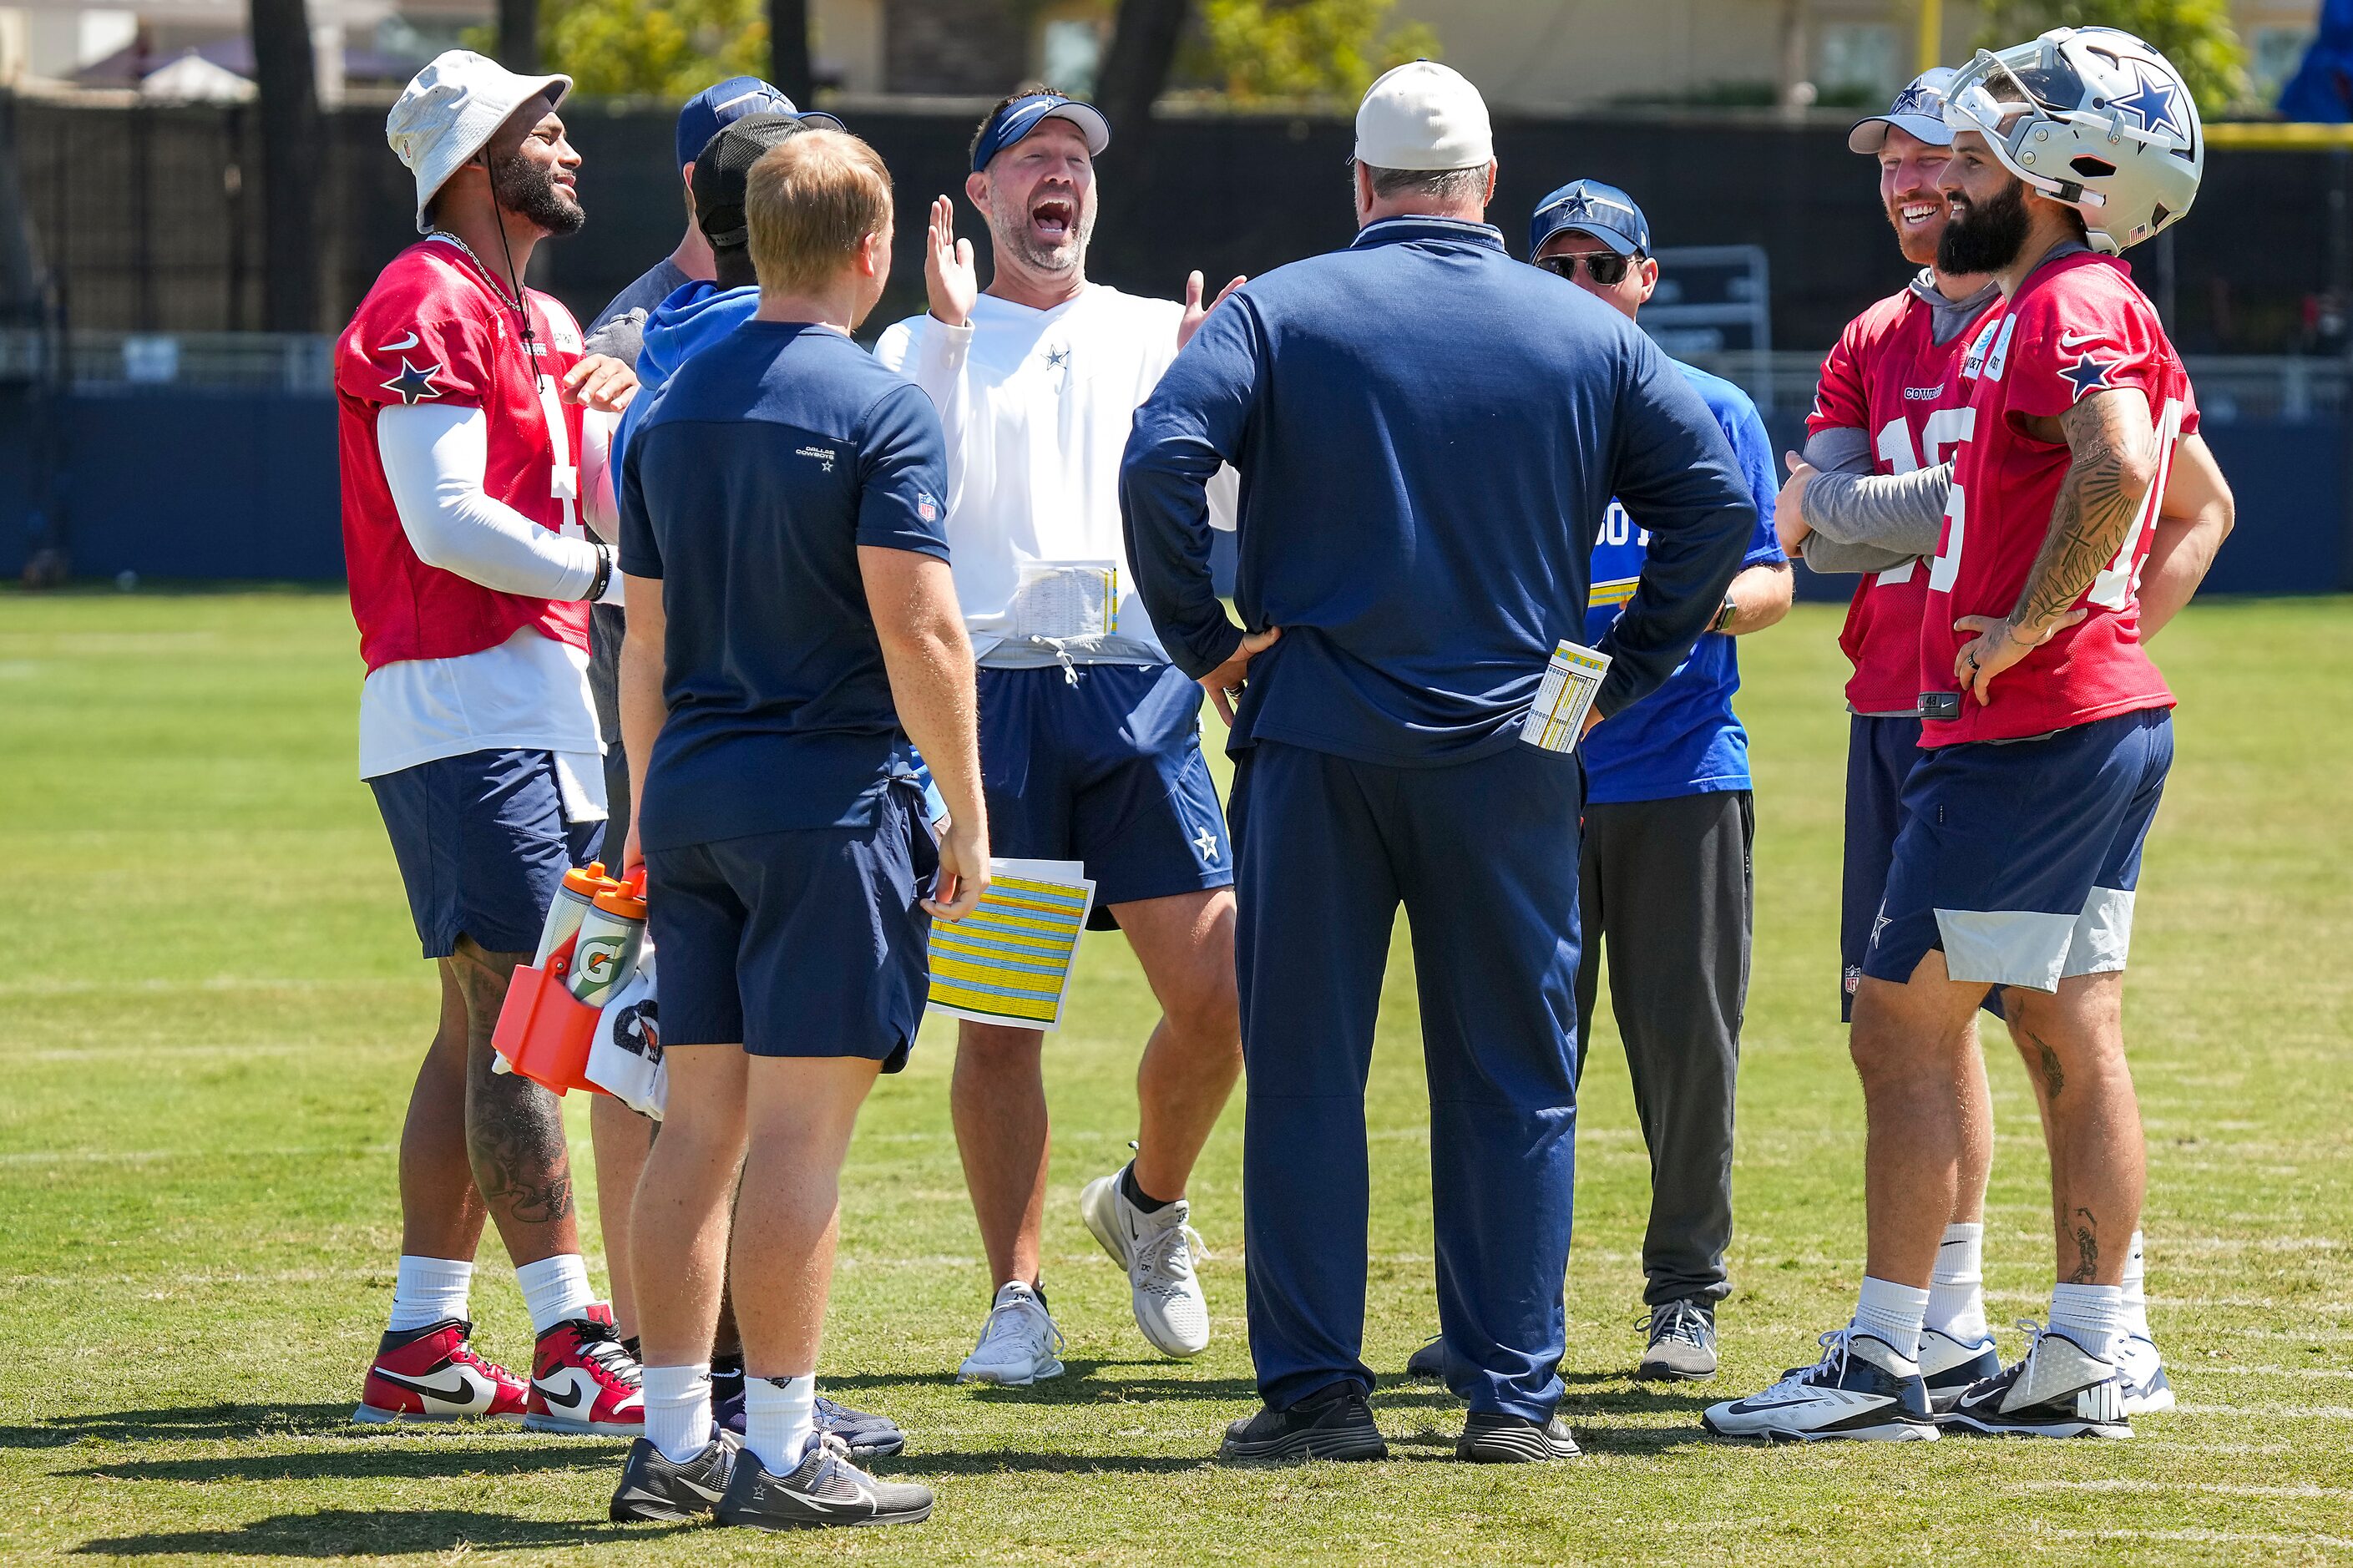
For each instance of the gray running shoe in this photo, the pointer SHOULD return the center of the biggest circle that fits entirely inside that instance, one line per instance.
(1491, 1438)
(824, 1490)
(1329, 1427)
(1682, 1342)
(656, 1488)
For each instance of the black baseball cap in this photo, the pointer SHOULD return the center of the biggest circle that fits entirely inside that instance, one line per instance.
(720, 169)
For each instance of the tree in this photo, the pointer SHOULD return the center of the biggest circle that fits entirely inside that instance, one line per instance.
(1316, 50)
(658, 49)
(291, 137)
(2195, 35)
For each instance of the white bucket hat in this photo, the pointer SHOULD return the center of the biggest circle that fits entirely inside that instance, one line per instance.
(450, 109)
(1423, 115)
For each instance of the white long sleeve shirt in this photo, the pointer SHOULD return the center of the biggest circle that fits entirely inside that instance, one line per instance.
(1036, 406)
(531, 691)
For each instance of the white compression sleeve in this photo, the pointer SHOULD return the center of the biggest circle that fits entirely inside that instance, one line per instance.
(434, 460)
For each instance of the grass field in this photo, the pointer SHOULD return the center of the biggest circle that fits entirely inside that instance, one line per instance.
(216, 1006)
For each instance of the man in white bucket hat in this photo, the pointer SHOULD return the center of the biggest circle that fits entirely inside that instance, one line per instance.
(469, 461)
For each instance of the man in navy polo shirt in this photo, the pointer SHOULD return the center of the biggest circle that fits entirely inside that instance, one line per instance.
(1428, 434)
(792, 607)
(1668, 825)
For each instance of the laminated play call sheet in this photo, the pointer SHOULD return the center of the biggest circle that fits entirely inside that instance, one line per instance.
(1008, 962)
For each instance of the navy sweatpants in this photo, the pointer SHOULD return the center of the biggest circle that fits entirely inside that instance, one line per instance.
(1484, 855)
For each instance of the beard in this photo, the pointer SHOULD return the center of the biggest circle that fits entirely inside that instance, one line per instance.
(531, 191)
(1009, 226)
(1986, 237)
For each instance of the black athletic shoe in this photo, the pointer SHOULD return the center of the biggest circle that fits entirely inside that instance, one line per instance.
(727, 1393)
(2060, 1390)
(1681, 1343)
(1491, 1438)
(1429, 1362)
(864, 1433)
(656, 1488)
(823, 1490)
(1331, 1425)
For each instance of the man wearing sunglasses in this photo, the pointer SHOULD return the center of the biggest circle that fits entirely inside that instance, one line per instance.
(1668, 825)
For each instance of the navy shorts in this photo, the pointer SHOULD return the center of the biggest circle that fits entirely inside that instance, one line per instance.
(2019, 859)
(1880, 755)
(807, 943)
(1107, 771)
(482, 844)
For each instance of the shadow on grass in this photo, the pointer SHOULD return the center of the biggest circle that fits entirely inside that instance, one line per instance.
(225, 1422)
(1101, 1382)
(362, 1459)
(360, 1533)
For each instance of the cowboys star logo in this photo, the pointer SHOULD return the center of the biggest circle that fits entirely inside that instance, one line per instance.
(2152, 102)
(413, 385)
(2087, 374)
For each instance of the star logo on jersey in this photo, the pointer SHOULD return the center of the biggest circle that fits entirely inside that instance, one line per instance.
(2153, 103)
(1207, 843)
(2087, 374)
(413, 385)
(1058, 359)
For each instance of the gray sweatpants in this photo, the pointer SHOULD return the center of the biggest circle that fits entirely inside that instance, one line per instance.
(606, 625)
(1666, 885)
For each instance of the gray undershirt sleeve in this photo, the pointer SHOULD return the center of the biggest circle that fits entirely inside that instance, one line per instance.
(1843, 454)
(1904, 512)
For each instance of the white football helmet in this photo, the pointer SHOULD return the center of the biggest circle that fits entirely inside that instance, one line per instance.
(2092, 117)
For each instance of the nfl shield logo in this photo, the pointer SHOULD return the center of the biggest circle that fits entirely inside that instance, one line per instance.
(925, 508)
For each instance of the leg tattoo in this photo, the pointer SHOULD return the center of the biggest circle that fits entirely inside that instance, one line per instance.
(515, 1129)
(2051, 1076)
(2087, 1249)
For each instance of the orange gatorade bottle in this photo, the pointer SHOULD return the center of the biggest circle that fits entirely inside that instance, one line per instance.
(570, 907)
(610, 935)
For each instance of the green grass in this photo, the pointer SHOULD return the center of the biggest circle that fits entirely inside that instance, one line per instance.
(212, 1007)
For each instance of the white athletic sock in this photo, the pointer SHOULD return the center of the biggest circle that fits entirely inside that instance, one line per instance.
(2135, 1290)
(779, 1419)
(2091, 1315)
(554, 1289)
(428, 1289)
(678, 1410)
(1893, 1312)
(1956, 1290)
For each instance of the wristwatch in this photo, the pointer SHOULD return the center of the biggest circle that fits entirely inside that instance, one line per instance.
(1722, 622)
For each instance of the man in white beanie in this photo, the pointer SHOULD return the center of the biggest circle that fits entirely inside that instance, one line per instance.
(1427, 434)
(469, 461)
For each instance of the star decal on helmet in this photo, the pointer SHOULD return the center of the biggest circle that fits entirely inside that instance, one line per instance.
(414, 386)
(2089, 373)
(2154, 102)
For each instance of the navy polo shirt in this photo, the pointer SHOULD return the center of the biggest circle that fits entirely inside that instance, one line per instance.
(1428, 433)
(1681, 739)
(774, 453)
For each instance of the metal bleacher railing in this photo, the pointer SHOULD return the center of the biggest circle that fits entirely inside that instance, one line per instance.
(2282, 387)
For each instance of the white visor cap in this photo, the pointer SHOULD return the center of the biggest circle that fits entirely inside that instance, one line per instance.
(1424, 115)
(450, 109)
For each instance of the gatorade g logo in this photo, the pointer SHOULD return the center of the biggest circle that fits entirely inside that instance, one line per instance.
(635, 1030)
(597, 960)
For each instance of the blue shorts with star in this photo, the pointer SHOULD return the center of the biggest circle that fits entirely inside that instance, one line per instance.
(1101, 763)
(2019, 859)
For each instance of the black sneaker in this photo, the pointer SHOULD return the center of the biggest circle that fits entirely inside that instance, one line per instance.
(1491, 1438)
(2060, 1390)
(727, 1393)
(823, 1490)
(1682, 1346)
(866, 1436)
(1429, 1362)
(656, 1488)
(1330, 1426)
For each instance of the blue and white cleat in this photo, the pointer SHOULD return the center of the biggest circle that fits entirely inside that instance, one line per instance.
(1948, 1366)
(2060, 1390)
(2147, 1389)
(1861, 1391)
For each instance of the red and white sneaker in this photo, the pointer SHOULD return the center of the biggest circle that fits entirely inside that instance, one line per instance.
(433, 1375)
(584, 1383)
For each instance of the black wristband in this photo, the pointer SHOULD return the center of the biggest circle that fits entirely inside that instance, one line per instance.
(604, 578)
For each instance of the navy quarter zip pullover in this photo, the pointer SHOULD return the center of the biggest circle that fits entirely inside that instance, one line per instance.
(1428, 434)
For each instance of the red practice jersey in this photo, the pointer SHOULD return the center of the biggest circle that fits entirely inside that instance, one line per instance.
(2078, 325)
(1888, 377)
(436, 330)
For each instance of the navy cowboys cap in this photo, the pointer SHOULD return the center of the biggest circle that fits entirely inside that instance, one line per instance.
(1023, 115)
(1918, 110)
(1588, 207)
(719, 105)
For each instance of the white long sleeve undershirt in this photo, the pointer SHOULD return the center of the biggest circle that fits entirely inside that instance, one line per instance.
(433, 461)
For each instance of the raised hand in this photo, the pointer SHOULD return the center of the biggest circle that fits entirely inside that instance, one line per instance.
(1194, 311)
(949, 279)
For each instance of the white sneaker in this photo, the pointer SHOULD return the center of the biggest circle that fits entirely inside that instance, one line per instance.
(1860, 1390)
(1156, 1249)
(2147, 1388)
(1018, 1344)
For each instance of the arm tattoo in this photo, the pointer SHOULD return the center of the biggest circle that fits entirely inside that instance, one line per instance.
(2087, 1249)
(2096, 503)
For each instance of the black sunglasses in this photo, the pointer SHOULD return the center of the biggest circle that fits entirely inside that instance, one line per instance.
(1604, 268)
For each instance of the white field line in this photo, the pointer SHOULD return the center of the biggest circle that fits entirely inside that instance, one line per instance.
(2204, 1488)
(2199, 1537)
(178, 1053)
(2271, 1412)
(155, 1156)
(2204, 1369)
(58, 985)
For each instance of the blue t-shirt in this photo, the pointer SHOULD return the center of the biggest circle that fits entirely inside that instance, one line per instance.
(774, 452)
(1681, 739)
